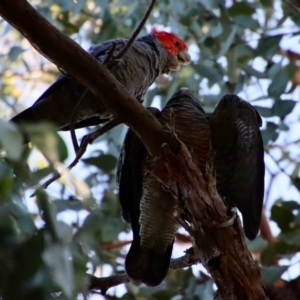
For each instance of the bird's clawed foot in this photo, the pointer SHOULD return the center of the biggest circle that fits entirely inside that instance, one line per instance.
(230, 221)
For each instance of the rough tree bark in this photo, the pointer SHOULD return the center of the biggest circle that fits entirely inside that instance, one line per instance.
(221, 250)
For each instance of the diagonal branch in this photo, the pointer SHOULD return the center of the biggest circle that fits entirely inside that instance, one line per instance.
(293, 5)
(104, 283)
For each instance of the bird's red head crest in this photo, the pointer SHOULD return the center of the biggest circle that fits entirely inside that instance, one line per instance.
(172, 43)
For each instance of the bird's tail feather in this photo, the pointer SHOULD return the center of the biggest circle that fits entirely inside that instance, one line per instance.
(146, 265)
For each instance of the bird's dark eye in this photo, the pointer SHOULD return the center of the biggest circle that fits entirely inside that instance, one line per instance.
(177, 44)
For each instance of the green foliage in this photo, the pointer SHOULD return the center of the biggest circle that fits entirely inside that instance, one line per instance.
(272, 274)
(11, 140)
(104, 162)
(285, 214)
(48, 242)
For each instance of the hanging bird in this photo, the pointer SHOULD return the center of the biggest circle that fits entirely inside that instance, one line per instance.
(231, 134)
(145, 203)
(140, 263)
(148, 57)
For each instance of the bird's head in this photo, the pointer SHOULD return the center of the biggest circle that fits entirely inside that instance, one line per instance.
(175, 46)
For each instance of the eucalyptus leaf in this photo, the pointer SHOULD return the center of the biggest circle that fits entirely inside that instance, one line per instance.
(22, 217)
(14, 52)
(57, 257)
(241, 8)
(270, 133)
(62, 205)
(105, 162)
(246, 21)
(228, 42)
(271, 274)
(44, 136)
(209, 72)
(49, 215)
(282, 108)
(282, 216)
(257, 245)
(269, 45)
(264, 111)
(11, 140)
(279, 84)
(274, 69)
(253, 72)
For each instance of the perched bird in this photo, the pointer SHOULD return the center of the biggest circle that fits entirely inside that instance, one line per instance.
(230, 136)
(148, 57)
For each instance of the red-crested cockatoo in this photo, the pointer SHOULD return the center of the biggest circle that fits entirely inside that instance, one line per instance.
(148, 57)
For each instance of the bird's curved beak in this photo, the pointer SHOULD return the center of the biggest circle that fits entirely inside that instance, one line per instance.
(183, 57)
(175, 62)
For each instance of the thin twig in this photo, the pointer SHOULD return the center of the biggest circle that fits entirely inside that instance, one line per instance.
(183, 223)
(137, 31)
(79, 103)
(72, 121)
(277, 164)
(110, 54)
(88, 139)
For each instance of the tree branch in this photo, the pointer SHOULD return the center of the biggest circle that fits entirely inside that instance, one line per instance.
(222, 251)
(293, 4)
(137, 31)
(104, 283)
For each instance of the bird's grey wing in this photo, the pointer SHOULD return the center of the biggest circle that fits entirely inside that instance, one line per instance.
(130, 178)
(142, 264)
(149, 256)
(239, 158)
(57, 103)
